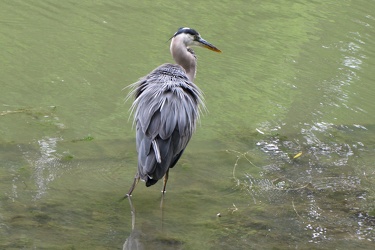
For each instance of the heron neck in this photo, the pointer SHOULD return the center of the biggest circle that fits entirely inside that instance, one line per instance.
(183, 57)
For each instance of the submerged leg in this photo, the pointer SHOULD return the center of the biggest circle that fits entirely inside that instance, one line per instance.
(165, 181)
(136, 179)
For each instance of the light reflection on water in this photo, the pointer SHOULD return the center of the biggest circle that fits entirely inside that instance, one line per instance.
(46, 165)
(314, 169)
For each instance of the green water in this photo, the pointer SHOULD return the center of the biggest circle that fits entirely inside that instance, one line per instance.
(294, 77)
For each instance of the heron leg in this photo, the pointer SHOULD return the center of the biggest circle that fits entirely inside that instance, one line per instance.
(136, 180)
(165, 181)
(163, 191)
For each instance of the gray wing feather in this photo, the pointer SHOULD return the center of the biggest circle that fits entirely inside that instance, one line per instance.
(155, 147)
(166, 109)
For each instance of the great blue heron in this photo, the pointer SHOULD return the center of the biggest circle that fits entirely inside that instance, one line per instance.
(166, 109)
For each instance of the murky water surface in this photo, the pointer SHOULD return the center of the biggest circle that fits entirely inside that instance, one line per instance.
(283, 159)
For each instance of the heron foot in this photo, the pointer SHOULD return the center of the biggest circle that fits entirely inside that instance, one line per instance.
(125, 197)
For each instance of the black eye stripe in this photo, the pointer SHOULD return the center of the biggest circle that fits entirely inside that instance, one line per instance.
(186, 31)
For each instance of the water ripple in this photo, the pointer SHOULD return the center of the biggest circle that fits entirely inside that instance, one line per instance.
(46, 164)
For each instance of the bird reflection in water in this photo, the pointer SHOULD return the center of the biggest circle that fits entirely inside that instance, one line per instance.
(133, 242)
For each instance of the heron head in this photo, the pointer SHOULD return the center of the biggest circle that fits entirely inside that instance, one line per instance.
(191, 37)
